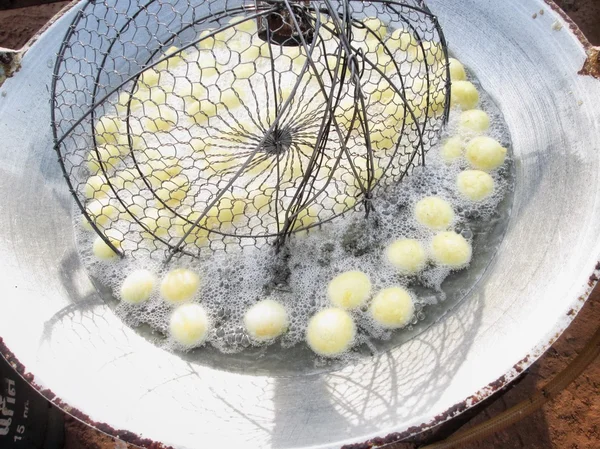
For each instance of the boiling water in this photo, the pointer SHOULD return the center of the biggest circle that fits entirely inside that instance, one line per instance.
(298, 276)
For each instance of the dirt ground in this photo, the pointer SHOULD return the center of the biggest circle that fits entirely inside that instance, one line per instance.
(571, 421)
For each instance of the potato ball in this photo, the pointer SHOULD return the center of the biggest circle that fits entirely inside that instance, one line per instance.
(473, 121)
(349, 290)
(244, 24)
(160, 171)
(464, 94)
(150, 77)
(305, 218)
(408, 255)
(452, 149)
(189, 325)
(148, 98)
(330, 332)
(457, 70)
(451, 249)
(109, 156)
(372, 25)
(101, 212)
(138, 286)
(430, 53)
(376, 26)
(208, 64)
(175, 58)
(173, 191)
(231, 98)
(125, 178)
(485, 153)
(107, 129)
(96, 187)
(475, 185)
(158, 118)
(202, 110)
(228, 209)
(122, 103)
(392, 308)
(250, 54)
(266, 320)
(383, 93)
(101, 249)
(434, 213)
(244, 70)
(382, 136)
(401, 40)
(179, 285)
(156, 221)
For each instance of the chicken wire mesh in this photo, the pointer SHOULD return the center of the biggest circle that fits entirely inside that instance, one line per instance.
(186, 126)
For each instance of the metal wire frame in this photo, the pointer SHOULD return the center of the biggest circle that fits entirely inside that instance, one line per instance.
(348, 58)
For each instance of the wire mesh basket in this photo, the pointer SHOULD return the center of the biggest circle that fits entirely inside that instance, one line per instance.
(186, 126)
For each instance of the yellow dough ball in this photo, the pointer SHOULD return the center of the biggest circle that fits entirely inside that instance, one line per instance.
(376, 26)
(384, 93)
(159, 118)
(474, 121)
(208, 64)
(202, 110)
(452, 149)
(434, 213)
(148, 98)
(101, 249)
(228, 210)
(244, 24)
(431, 52)
(96, 187)
(408, 255)
(138, 286)
(162, 170)
(173, 191)
(451, 249)
(457, 70)
(207, 42)
(150, 77)
(464, 94)
(244, 70)
(189, 325)
(250, 54)
(330, 332)
(392, 308)
(109, 156)
(384, 137)
(266, 320)
(304, 219)
(108, 129)
(475, 185)
(402, 40)
(230, 98)
(175, 58)
(122, 102)
(101, 212)
(349, 290)
(485, 153)
(156, 222)
(179, 285)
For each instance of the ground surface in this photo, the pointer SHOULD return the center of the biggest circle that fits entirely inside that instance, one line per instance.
(572, 421)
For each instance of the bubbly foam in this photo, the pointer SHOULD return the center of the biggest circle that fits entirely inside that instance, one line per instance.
(298, 275)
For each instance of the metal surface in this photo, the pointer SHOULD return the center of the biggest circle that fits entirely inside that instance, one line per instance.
(53, 319)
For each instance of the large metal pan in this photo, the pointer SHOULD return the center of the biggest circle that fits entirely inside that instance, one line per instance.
(56, 323)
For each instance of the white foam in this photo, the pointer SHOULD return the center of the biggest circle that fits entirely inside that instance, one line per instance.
(232, 281)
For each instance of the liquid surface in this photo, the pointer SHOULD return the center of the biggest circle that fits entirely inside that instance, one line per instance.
(298, 275)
